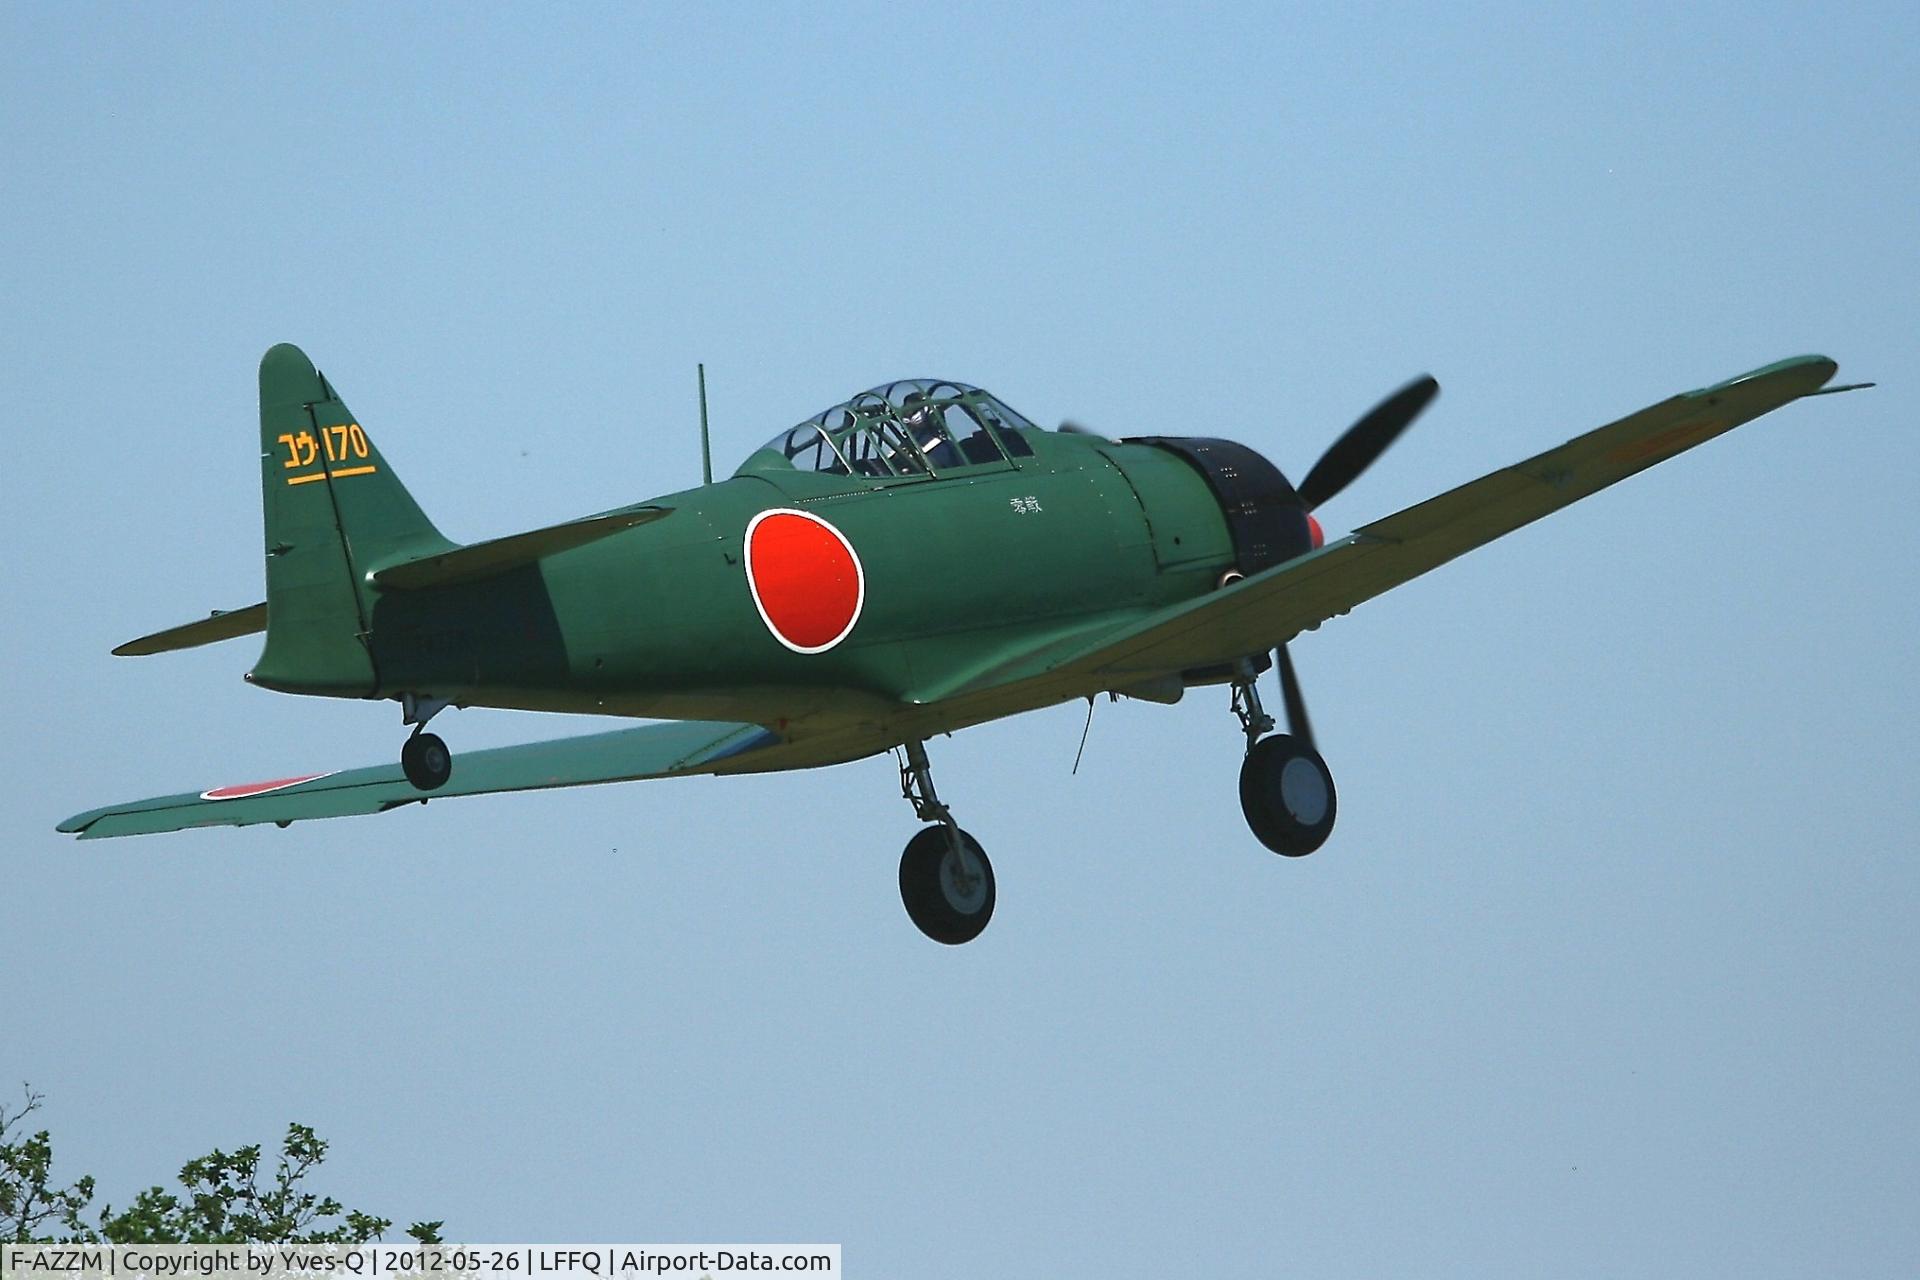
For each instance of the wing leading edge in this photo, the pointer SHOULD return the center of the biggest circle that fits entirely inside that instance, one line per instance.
(624, 755)
(1272, 607)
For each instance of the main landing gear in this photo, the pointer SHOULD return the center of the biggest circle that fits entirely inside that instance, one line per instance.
(1286, 790)
(946, 881)
(424, 758)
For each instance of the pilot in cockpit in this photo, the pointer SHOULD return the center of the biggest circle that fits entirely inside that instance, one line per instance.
(922, 422)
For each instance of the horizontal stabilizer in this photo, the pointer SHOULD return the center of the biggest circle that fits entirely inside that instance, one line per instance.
(482, 560)
(223, 625)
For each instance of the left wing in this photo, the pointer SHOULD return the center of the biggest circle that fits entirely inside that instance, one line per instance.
(650, 751)
(1271, 607)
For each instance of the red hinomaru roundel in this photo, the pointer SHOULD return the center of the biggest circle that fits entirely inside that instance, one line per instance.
(806, 579)
(242, 790)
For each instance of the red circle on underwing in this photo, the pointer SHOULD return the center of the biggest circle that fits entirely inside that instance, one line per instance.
(806, 580)
(242, 790)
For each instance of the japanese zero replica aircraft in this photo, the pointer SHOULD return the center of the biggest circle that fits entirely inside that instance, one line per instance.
(916, 560)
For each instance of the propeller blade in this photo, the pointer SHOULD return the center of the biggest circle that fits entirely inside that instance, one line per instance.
(1366, 440)
(1297, 723)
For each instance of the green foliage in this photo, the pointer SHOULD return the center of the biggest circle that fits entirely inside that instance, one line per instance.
(27, 1204)
(222, 1199)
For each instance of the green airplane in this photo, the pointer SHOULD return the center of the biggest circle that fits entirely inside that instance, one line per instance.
(913, 561)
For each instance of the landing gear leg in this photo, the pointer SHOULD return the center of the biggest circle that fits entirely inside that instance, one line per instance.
(1286, 789)
(424, 758)
(1253, 717)
(946, 881)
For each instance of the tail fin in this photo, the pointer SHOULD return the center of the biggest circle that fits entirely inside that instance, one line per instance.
(335, 513)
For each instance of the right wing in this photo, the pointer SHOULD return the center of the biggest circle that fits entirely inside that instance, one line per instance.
(624, 755)
(1273, 606)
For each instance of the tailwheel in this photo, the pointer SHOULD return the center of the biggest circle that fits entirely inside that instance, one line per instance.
(1287, 794)
(426, 761)
(946, 883)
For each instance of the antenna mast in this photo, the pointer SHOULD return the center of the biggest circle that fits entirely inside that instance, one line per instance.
(706, 448)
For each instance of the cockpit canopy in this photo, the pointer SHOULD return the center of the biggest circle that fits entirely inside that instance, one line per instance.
(917, 426)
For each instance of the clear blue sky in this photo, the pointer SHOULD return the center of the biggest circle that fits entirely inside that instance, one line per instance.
(1610, 967)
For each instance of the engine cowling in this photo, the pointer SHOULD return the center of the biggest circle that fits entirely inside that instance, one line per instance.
(1269, 523)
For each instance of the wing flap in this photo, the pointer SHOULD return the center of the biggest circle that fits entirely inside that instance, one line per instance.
(222, 625)
(624, 755)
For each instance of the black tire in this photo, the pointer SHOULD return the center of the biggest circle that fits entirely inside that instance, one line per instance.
(939, 907)
(426, 762)
(1286, 791)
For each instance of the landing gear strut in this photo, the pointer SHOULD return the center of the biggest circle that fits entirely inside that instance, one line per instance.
(424, 758)
(946, 881)
(1286, 789)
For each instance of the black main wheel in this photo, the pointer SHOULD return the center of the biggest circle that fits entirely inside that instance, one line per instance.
(426, 762)
(948, 895)
(1287, 794)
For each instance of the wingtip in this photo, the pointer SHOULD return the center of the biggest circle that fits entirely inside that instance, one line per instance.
(1815, 370)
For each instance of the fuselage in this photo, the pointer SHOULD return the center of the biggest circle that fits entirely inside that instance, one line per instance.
(862, 570)
(960, 567)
